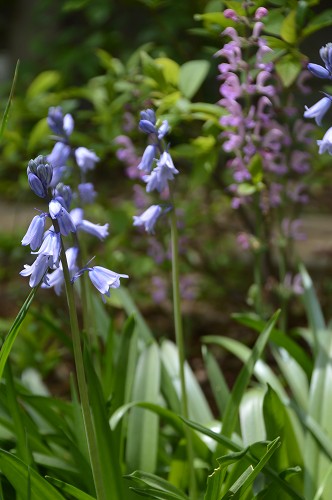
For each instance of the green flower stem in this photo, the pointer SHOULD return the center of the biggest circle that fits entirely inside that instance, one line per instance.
(180, 346)
(81, 381)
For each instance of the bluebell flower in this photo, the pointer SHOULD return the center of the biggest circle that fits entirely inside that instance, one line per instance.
(37, 271)
(63, 194)
(318, 110)
(148, 158)
(39, 175)
(56, 278)
(163, 129)
(85, 159)
(103, 279)
(164, 172)
(35, 232)
(59, 154)
(147, 127)
(51, 246)
(59, 124)
(89, 227)
(86, 192)
(318, 70)
(326, 55)
(326, 143)
(148, 115)
(148, 218)
(59, 213)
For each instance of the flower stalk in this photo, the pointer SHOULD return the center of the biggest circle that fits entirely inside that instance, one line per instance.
(180, 345)
(81, 382)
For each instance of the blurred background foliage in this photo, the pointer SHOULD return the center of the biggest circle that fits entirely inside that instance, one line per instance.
(104, 61)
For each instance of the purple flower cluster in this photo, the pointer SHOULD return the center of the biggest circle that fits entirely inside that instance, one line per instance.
(156, 166)
(320, 108)
(258, 129)
(44, 174)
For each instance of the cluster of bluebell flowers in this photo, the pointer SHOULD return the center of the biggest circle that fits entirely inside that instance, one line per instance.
(44, 176)
(157, 166)
(320, 108)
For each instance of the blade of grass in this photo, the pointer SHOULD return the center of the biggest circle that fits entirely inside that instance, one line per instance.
(14, 330)
(9, 102)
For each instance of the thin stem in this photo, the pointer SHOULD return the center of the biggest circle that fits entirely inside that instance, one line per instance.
(81, 382)
(180, 346)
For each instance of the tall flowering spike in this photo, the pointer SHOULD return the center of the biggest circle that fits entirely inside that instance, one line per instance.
(148, 218)
(59, 213)
(318, 110)
(103, 279)
(86, 159)
(35, 232)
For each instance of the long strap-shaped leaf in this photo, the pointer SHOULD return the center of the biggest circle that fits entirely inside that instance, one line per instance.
(6, 112)
(242, 381)
(13, 332)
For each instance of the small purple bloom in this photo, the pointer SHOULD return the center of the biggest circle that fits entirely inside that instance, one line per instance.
(36, 185)
(51, 246)
(326, 55)
(147, 159)
(59, 124)
(56, 278)
(86, 159)
(103, 279)
(86, 192)
(149, 115)
(318, 110)
(148, 218)
(95, 229)
(147, 127)
(63, 194)
(59, 213)
(37, 271)
(35, 232)
(59, 154)
(326, 143)
(163, 129)
(318, 70)
(164, 172)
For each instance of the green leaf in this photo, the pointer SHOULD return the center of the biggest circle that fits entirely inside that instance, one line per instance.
(288, 68)
(192, 74)
(154, 486)
(131, 309)
(14, 330)
(42, 83)
(170, 69)
(251, 416)
(26, 481)
(242, 381)
(69, 488)
(9, 102)
(153, 70)
(288, 28)
(142, 437)
(319, 22)
(38, 133)
(217, 381)
(231, 445)
(107, 442)
(278, 423)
